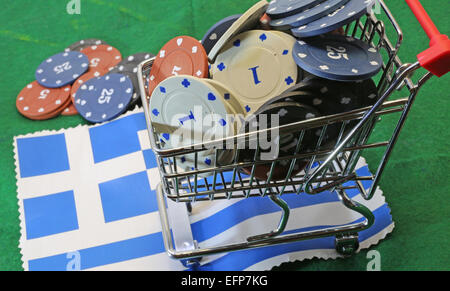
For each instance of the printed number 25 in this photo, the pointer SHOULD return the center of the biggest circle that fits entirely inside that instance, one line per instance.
(337, 53)
(106, 96)
(63, 67)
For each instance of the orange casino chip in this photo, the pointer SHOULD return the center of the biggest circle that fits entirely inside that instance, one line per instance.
(182, 55)
(37, 102)
(70, 110)
(102, 57)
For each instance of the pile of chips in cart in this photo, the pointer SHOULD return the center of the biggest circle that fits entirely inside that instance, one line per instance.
(287, 58)
(89, 78)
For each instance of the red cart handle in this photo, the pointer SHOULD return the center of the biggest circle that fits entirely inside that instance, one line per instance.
(436, 59)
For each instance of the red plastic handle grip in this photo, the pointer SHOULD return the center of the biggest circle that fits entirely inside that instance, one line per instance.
(436, 59)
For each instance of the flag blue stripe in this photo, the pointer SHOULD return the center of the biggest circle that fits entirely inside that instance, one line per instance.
(252, 207)
(42, 155)
(234, 261)
(103, 255)
(117, 138)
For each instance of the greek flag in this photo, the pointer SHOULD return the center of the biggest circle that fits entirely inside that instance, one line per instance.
(87, 201)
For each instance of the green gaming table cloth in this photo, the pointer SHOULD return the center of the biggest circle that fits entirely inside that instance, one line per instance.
(415, 183)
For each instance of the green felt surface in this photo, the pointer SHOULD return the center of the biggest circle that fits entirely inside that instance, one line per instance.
(416, 182)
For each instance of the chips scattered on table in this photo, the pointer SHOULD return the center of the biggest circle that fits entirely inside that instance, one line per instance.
(38, 102)
(84, 43)
(61, 69)
(104, 98)
(102, 57)
(59, 78)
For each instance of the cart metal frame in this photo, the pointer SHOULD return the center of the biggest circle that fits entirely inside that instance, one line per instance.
(328, 169)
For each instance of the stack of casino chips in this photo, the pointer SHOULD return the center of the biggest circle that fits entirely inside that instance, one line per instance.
(259, 64)
(89, 78)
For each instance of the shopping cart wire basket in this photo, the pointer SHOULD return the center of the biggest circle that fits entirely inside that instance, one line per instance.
(329, 167)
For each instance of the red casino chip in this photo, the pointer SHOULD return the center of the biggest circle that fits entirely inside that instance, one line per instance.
(265, 22)
(339, 31)
(38, 102)
(55, 113)
(70, 110)
(102, 57)
(182, 55)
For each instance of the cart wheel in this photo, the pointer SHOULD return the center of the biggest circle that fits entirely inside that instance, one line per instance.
(347, 244)
(191, 263)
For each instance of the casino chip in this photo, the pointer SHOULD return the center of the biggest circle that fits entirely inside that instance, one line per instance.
(366, 91)
(102, 56)
(249, 20)
(80, 45)
(309, 15)
(264, 22)
(134, 80)
(331, 97)
(182, 55)
(185, 111)
(279, 146)
(285, 35)
(131, 63)
(70, 110)
(307, 79)
(61, 69)
(104, 98)
(337, 57)
(83, 79)
(257, 65)
(129, 66)
(37, 102)
(137, 58)
(283, 8)
(228, 96)
(233, 106)
(216, 32)
(325, 104)
(53, 114)
(235, 117)
(347, 13)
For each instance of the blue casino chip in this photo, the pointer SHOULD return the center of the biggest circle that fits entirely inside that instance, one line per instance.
(217, 30)
(352, 10)
(62, 69)
(104, 98)
(337, 57)
(309, 15)
(284, 8)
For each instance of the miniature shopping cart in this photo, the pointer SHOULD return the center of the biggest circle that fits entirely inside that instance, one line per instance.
(334, 166)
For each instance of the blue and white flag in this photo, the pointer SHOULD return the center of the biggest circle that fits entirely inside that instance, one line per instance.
(87, 202)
